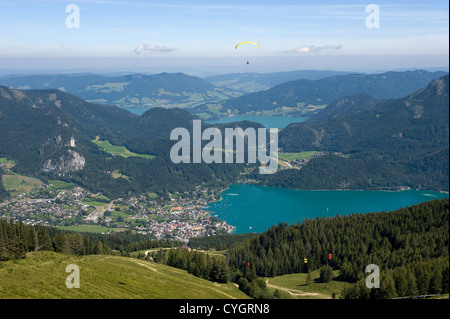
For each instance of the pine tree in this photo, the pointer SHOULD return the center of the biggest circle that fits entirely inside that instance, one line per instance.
(4, 252)
(326, 274)
(76, 244)
(59, 242)
(308, 278)
(98, 248)
(445, 280)
(277, 294)
(44, 240)
(412, 286)
(387, 285)
(401, 282)
(435, 284)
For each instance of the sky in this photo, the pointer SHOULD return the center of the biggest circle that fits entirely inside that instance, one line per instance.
(200, 36)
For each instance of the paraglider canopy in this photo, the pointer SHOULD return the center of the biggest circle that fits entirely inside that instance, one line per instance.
(250, 42)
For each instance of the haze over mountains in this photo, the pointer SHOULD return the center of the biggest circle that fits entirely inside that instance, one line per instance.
(253, 82)
(297, 93)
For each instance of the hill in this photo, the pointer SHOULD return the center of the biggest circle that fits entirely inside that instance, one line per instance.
(58, 143)
(3, 192)
(345, 106)
(253, 82)
(409, 244)
(307, 97)
(42, 275)
(132, 90)
(394, 142)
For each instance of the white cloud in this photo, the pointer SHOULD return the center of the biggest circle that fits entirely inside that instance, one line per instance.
(152, 48)
(313, 48)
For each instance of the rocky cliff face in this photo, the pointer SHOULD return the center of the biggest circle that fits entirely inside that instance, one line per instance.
(70, 162)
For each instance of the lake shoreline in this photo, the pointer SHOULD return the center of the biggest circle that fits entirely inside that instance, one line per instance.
(255, 208)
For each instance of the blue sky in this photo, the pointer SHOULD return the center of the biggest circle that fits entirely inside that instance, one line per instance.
(170, 33)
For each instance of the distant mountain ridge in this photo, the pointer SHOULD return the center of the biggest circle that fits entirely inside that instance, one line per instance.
(253, 82)
(132, 90)
(307, 97)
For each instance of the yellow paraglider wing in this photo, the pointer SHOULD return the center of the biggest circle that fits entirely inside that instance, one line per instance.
(247, 42)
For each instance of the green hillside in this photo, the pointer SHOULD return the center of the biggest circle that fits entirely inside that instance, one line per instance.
(42, 275)
(118, 150)
(57, 144)
(297, 286)
(401, 142)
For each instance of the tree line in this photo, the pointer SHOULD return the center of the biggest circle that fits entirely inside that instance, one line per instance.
(213, 268)
(18, 239)
(420, 278)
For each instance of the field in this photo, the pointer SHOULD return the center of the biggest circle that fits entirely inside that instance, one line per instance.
(17, 184)
(116, 174)
(95, 203)
(90, 228)
(297, 156)
(6, 164)
(43, 275)
(61, 184)
(293, 286)
(119, 150)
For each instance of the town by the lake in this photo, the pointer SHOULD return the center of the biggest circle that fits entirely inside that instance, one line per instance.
(176, 216)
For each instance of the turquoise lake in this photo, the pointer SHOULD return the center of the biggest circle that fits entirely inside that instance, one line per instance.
(253, 208)
(135, 110)
(279, 122)
(268, 121)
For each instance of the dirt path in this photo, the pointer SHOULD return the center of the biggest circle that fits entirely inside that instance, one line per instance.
(294, 292)
(220, 291)
(146, 266)
(210, 288)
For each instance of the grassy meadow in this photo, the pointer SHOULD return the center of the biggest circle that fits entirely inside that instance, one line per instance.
(43, 275)
(118, 150)
(297, 156)
(17, 184)
(294, 286)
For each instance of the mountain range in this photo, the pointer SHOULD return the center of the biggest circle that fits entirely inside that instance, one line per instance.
(306, 97)
(387, 143)
(296, 93)
(49, 134)
(392, 142)
(253, 82)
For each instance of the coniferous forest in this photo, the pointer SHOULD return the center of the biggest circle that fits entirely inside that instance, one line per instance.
(410, 246)
(17, 239)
